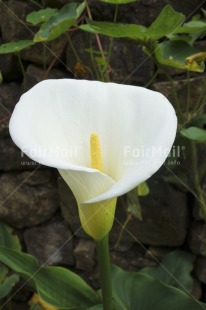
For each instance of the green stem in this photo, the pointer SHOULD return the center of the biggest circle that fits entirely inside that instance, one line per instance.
(152, 79)
(112, 39)
(44, 57)
(201, 97)
(105, 272)
(22, 70)
(196, 179)
(129, 217)
(73, 48)
(37, 4)
(93, 62)
(104, 74)
(188, 94)
(175, 96)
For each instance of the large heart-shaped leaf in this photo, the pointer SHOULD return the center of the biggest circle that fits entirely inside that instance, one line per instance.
(138, 291)
(60, 22)
(116, 30)
(56, 285)
(97, 307)
(166, 23)
(192, 27)
(175, 270)
(175, 54)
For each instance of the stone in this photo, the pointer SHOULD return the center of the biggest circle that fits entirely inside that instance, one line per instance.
(128, 63)
(94, 279)
(142, 12)
(55, 3)
(28, 198)
(13, 20)
(157, 253)
(35, 74)
(123, 246)
(192, 8)
(51, 244)
(181, 86)
(200, 268)
(9, 96)
(10, 68)
(46, 53)
(84, 255)
(197, 289)
(69, 209)
(12, 158)
(197, 239)
(120, 260)
(132, 260)
(165, 217)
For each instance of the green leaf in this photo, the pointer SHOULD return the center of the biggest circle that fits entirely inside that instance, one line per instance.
(94, 52)
(133, 204)
(15, 47)
(97, 307)
(116, 30)
(7, 238)
(192, 27)
(3, 272)
(118, 1)
(166, 23)
(143, 189)
(40, 16)
(60, 22)
(194, 133)
(175, 270)
(7, 285)
(174, 54)
(87, 28)
(56, 285)
(138, 291)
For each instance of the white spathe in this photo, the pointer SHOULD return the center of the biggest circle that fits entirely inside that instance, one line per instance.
(53, 121)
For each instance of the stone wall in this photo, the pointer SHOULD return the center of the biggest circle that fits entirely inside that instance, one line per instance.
(36, 201)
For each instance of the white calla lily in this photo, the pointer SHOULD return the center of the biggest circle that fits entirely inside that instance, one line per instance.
(52, 124)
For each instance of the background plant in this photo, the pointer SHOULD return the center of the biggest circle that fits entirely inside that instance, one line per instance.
(7, 279)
